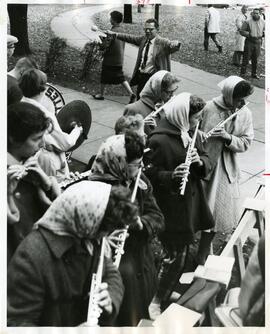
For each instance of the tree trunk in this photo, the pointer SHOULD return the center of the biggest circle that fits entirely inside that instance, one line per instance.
(127, 13)
(157, 12)
(18, 27)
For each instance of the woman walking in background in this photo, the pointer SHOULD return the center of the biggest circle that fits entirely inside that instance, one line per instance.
(112, 64)
(239, 39)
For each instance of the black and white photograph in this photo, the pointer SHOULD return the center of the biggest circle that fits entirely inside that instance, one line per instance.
(135, 166)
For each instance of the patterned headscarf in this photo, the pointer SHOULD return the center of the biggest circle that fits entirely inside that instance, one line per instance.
(227, 87)
(78, 211)
(111, 163)
(177, 114)
(151, 93)
(111, 160)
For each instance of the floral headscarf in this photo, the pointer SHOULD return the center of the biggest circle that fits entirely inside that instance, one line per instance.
(78, 211)
(152, 90)
(227, 87)
(111, 160)
(177, 114)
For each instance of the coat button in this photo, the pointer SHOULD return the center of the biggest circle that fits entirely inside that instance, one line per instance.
(139, 275)
(17, 195)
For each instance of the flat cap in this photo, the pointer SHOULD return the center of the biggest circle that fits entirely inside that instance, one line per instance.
(11, 39)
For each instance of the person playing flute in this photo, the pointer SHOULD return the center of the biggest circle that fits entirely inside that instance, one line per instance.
(49, 276)
(30, 190)
(118, 161)
(222, 184)
(184, 214)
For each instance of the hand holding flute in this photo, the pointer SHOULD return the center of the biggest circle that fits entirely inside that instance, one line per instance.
(219, 130)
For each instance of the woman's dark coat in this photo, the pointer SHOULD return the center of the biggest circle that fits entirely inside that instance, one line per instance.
(184, 215)
(48, 281)
(137, 266)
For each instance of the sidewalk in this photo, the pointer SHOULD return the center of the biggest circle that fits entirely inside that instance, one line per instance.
(75, 26)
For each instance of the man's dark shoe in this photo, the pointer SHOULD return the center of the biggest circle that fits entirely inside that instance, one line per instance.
(220, 49)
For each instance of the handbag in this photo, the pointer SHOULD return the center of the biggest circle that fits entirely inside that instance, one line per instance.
(199, 295)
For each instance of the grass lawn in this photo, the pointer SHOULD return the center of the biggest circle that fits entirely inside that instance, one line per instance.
(186, 24)
(182, 23)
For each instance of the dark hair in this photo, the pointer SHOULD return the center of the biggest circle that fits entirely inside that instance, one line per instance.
(116, 16)
(32, 82)
(25, 119)
(129, 122)
(168, 80)
(120, 211)
(134, 145)
(196, 104)
(26, 63)
(242, 89)
(153, 21)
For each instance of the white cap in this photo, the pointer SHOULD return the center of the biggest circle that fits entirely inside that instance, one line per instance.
(11, 39)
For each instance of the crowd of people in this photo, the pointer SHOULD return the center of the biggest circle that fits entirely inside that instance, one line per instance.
(131, 196)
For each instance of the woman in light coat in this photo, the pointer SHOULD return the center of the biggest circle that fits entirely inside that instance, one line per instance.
(222, 184)
(239, 39)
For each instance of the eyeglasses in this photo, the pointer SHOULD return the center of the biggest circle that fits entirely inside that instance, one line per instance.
(171, 91)
(149, 29)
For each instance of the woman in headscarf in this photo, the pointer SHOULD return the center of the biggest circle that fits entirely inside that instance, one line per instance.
(50, 274)
(158, 90)
(222, 184)
(117, 162)
(184, 215)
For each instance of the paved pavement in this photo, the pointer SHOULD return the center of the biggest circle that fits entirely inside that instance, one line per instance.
(75, 27)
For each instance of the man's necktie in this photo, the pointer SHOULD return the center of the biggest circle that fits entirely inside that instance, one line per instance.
(146, 54)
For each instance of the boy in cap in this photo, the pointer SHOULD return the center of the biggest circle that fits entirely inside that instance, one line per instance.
(11, 40)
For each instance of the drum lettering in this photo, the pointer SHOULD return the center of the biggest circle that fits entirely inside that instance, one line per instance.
(57, 109)
(54, 96)
(49, 91)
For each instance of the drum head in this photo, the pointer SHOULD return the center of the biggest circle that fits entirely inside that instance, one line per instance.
(76, 111)
(53, 99)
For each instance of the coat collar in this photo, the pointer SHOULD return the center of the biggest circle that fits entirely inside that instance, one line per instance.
(59, 245)
(164, 127)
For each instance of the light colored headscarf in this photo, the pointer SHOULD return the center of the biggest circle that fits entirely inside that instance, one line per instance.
(177, 114)
(227, 87)
(78, 211)
(151, 93)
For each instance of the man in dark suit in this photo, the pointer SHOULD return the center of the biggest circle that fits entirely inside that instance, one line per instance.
(153, 55)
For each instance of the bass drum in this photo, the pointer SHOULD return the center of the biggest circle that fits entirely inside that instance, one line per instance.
(53, 100)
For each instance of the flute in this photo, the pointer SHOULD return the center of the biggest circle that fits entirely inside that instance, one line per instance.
(154, 113)
(66, 183)
(24, 169)
(188, 160)
(222, 123)
(120, 247)
(94, 311)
